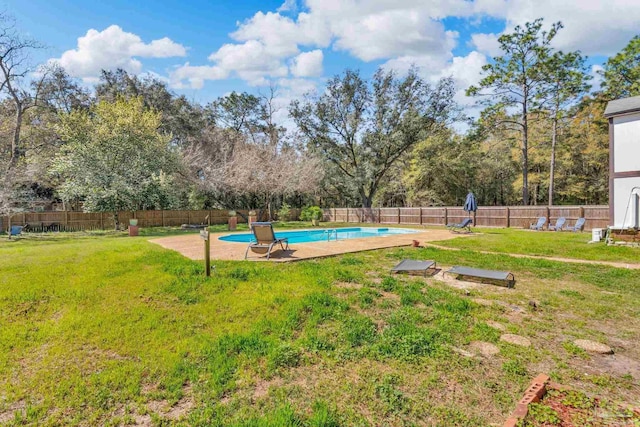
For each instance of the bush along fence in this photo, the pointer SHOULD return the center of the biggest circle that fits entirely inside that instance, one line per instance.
(81, 221)
(489, 216)
(494, 216)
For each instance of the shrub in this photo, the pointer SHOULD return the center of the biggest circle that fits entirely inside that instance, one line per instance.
(311, 212)
(284, 212)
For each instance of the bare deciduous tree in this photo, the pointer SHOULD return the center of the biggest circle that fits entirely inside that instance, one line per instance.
(14, 68)
(225, 161)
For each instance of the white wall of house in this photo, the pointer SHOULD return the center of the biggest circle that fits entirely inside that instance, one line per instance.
(626, 158)
(626, 134)
(625, 204)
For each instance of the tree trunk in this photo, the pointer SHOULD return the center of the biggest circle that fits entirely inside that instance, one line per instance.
(552, 166)
(525, 154)
(269, 208)
(15, 142)
(367, 200)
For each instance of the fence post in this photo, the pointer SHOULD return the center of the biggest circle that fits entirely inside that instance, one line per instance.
(398, 215)
(581, 212)
(347, 214)
(420, 215)
(66, 220)
(446, 216)
(101, 221)
(508, 217)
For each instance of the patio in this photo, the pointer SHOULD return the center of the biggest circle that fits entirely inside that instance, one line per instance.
(191, 246)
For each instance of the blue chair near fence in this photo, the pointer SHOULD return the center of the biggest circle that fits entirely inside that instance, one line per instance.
(579, 226)
(559, 224)
(539, 225)
(16, 230)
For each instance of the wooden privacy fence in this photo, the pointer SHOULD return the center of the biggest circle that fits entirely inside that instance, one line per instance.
(79, 221)
(489, 216)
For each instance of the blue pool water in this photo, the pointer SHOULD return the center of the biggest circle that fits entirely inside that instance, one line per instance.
(321, 235)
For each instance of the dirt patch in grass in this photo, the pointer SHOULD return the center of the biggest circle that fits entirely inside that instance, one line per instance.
(348, 285)
(389, 295)
(13, 410)
(615, 364)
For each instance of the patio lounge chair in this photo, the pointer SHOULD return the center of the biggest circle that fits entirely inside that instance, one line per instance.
(539, 225)
(579, 226)
(491, 275)
(559, 224)
(462, 227)
(265, 239)
(411, 266)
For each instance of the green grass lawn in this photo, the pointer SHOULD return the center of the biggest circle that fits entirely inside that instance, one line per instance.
(544, 243)
(103, 329)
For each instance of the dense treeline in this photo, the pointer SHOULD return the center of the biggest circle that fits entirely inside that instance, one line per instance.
(131, 143)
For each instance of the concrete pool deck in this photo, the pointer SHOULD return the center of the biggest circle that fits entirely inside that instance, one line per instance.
(192, 246)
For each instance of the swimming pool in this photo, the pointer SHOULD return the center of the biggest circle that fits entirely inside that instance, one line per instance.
(324, 234)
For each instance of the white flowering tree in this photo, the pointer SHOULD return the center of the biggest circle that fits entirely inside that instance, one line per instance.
(115, 158)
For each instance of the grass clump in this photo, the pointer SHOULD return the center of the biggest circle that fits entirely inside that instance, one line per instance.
(540, 414)
(284, 356)
(367, 297)
(389, 284)
(514, 369)
(405, 338)
(386, 390)
(359, 330)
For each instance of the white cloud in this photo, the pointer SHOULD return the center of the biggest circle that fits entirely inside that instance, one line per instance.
(287, 90)
(270, 46)
(395, 33)
(288, 6)
(486, 43)
(466, 71)
(274, 31)
(195, 75)
(595, 27)
(251, 60)
(384, 29)
(307, 64)
(369, 30)
(114, 48)
(265, 43)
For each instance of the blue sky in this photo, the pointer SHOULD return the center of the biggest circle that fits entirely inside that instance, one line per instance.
(205, 49)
